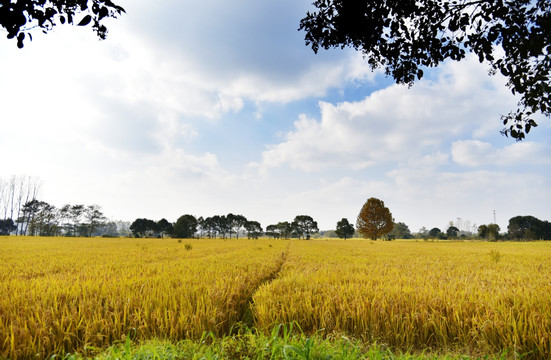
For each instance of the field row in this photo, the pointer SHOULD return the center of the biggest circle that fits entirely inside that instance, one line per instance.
(66, 295)
(468, 297)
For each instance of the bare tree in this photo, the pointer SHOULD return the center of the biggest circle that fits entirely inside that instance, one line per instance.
(33, 187)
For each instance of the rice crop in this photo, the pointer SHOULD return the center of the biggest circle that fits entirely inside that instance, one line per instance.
(67, 295)
(418, 295)
(63, 295)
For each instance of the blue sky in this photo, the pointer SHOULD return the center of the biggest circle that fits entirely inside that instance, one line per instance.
(216, 107)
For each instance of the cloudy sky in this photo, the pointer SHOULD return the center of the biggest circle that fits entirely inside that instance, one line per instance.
(213, 107)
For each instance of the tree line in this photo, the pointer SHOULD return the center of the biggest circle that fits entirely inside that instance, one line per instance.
(15, 193)
(24, 214)
(519, 228)
(39, 218)
(223, 226)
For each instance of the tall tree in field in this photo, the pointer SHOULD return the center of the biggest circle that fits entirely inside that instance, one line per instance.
(511, 36)
(374, 220)
(304, 225)
(19, 17)
(185, 227)
(344, 229)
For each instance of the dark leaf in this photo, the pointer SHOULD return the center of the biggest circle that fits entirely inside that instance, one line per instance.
(85, 21)
(20, 39)
(103, 13)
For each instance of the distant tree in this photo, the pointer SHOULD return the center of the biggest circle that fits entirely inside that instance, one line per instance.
(235, 223)
(109, 229)
(143, 228)
(512, 36)
(65, 218)
(304, 226)
(30, 210)
(400, 231)
(20, 16)
(75, 214)
(185, 227)
(483, 231)
(94, 218)
(165, 228)
(285, 229)
(201, 225)
(434, 233)
(272, 231)
(44, 220)
(15, 193)
(452, 232)
(545, 230)
(493, 232)
(212, 224)
(7, 226)
(374, 219)
(220, 225)
(528, 228)
(254, 229)
(330, 234)
(123, 228)
(423, 233)
(344, 229)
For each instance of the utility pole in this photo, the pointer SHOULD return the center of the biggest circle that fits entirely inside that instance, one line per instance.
(494, 217)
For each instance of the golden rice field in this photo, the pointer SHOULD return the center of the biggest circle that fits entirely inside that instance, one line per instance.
(62, 295)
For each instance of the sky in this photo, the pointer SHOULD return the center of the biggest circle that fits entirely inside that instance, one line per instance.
(212, 107)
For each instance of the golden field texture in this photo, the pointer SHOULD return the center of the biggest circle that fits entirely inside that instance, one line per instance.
(63, 295)
(471, 297)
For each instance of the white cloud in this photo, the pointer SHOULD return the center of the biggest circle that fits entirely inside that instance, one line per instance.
(477, 153)
(393, 124)
(135, 123)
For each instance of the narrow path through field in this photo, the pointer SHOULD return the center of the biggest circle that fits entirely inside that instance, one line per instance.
(246, 313)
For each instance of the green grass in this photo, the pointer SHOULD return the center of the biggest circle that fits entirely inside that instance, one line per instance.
(284, 342)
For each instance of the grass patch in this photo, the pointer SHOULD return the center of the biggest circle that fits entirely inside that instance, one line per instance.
(284, 342)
